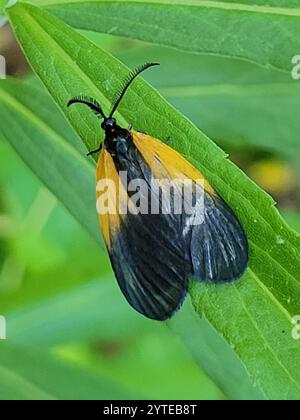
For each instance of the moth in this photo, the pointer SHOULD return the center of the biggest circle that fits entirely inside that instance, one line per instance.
(153, 254)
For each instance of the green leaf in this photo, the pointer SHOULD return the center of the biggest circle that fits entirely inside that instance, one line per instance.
(26, 374)
(264, 103)
(266, 32)
(250, 314)
(213, 353)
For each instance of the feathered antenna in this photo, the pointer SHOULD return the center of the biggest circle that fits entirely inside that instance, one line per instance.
(127, 83)
(90, 102)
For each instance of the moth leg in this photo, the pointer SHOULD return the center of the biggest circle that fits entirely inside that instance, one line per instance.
(93, 152)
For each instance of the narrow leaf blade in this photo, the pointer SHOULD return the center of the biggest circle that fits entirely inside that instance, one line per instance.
(235, 29)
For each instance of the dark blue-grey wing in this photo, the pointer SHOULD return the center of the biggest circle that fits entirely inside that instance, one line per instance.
(149, 264)
(218, 246)
(147, 251)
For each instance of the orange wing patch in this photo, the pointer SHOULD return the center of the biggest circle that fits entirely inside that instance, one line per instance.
(163, 160)
(116, 195)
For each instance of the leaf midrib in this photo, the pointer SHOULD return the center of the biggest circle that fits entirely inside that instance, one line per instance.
(271, 295)
(276, 263)
(282, 11)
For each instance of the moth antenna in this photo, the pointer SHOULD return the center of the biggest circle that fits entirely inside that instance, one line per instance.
(90, 102)
(127, 83)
